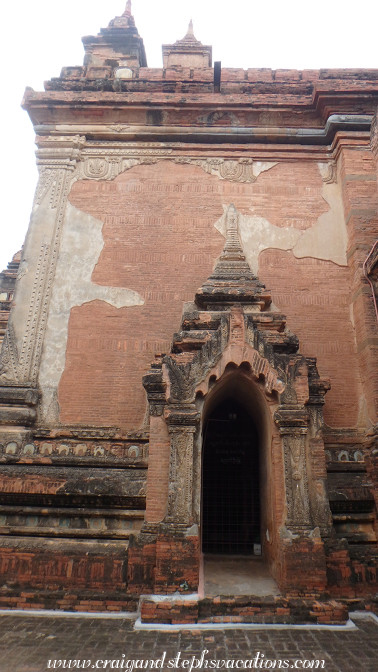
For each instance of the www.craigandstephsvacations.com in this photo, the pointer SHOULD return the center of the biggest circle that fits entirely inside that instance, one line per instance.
(188, 663)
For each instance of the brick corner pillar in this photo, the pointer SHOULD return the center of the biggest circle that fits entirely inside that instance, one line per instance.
(178, 544)
(165, 556)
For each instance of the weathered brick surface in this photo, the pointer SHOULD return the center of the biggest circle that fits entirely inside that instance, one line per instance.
(68, 600)
(158, 470)
(315, 295)
(294, 556)
(160, 241)
(56, 566)
(155, 219)
(166, 564)
(244, 610)
(154, 244)
(141, 565)
(177, 564)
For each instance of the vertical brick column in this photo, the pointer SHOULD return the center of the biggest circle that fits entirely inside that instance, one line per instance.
(358, 173)
(159, 445)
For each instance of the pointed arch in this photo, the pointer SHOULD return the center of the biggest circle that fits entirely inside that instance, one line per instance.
(236, 506)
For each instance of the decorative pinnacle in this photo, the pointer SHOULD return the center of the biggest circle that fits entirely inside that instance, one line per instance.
(190, 29)
(232, 281)
(127, 11)
(233, 249)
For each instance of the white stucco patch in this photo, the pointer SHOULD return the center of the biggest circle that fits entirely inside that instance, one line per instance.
(327, 239)
(261, 166)
(81, 246)
(258, 234)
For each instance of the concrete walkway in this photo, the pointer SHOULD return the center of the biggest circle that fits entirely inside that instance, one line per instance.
(28, 643)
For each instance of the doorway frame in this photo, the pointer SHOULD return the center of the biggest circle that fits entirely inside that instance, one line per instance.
(291, 394)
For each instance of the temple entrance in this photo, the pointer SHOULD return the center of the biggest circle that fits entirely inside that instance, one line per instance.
(230, 482)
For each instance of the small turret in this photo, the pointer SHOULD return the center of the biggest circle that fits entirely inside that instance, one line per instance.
(119, 45)
(188, 52)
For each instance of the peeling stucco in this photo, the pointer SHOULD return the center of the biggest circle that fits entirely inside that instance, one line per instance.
(258, 234)
(325, 240)
(82, 243)
(81, 246)
(262, 166)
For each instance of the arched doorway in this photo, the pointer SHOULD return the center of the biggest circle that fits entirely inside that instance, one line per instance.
(231, 521)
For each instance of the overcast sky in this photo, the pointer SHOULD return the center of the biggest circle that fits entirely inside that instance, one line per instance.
(39, 37)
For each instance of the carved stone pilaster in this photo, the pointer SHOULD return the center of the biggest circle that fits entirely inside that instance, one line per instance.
(182, 423)
(374, 136)
(56, 158)
(293, 428)
(318, 387)
(155, 387)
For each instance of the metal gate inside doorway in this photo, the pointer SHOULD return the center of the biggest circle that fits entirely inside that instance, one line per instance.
(230, 481)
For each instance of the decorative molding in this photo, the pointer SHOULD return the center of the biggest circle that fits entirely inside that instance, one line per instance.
(352, 454)
(50, 181)
(184, 377)
(100, 168)
(63, 448)
(239, 170)
(293, 421)
(107, 164)
(296, 482)
(33, 331)
(181, 472)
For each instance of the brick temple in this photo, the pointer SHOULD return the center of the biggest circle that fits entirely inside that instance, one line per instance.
(189, 368)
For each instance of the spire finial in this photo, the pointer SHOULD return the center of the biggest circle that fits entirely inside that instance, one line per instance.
(127, 11)
(190, 29)
(233, 248)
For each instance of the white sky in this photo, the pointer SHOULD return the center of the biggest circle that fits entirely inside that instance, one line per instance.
(39, 37)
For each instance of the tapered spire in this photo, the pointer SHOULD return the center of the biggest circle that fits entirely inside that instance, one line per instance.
(126, 20)
(190, 32)
(232, 281)
(127, 11)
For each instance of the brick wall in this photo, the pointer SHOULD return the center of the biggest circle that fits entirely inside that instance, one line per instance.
(160, 241)
(314, 295)
(360, 198)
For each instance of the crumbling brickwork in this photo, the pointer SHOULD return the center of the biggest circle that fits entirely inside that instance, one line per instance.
(199, 235)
